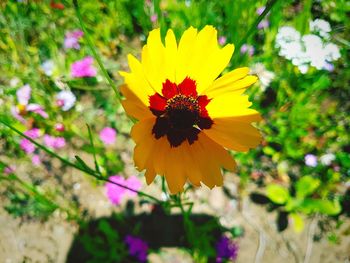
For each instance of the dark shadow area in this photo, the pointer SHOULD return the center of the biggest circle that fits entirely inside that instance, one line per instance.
(157, 229)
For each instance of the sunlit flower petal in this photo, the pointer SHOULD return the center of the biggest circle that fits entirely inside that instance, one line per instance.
(187, 116)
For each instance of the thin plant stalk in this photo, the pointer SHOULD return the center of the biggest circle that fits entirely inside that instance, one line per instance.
(86, 169)
(93, 50)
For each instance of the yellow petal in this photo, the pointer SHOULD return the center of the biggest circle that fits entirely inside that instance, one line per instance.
(153, 60)
(235, 133)
(175, 174)
(229, 105)
(170, 55)
(136, 80)
(133, 105)
(209, 165)
(227, 82)
(185, 52)
(200, 57)
(215, 63)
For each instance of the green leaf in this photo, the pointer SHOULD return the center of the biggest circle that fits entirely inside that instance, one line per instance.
(298, 222)
(83, 165)
(306, 186)
(277, 194)
(326, 207)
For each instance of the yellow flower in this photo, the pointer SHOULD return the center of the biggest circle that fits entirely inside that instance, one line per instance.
(186, 115)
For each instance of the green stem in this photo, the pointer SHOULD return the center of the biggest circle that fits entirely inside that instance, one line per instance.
(254, 27)
(78, 167)
(93, 50)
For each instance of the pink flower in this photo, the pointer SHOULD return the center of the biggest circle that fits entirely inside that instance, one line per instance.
(23, 97)
(59, 127)
(108, 135)
(36, 108)
(247, 49)
(71, 39)
(33, 133)
(154, 18)
(116, 193)
(36, 160)
(24, 94)
(9, 169)
(54, 142)
(83, 68)
(222, 40)
(27, 146)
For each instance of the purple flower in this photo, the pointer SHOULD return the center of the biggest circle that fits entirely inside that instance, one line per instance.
(328, 66)
(263, 24)
(154, 18)
(247, 49)
(71, 39)
(65, 99)
(137, 247)
(54, 142)
(260, 10)
(83, 68)
(311, 160)
(116, 193)
(226, 249)
(108, 135)
(222, 40)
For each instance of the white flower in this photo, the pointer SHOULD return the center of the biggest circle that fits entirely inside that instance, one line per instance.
(320, 26)
(327, 158)
(303, 68)
(291, 50)
(65, 99)
(287, 34)
(307, 50)
(48, 67)
(265, 76)
(312, 41)
(332, 52)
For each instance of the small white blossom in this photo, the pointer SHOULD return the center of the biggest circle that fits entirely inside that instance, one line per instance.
(320, 26)
(308, 50)
(265, 76)
(48, 67)
(65, 99)
(332, 52)
(327, 158)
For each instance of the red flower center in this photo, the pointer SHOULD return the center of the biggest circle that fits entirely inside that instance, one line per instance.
(181, 113)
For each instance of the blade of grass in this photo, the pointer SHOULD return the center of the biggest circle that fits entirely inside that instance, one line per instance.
(97, 167)
(254, 28)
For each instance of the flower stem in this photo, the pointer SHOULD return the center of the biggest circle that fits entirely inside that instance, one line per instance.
(93, 50)
(87, 170)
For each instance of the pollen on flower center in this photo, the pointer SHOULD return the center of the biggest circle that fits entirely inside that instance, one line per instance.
(181, 113)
